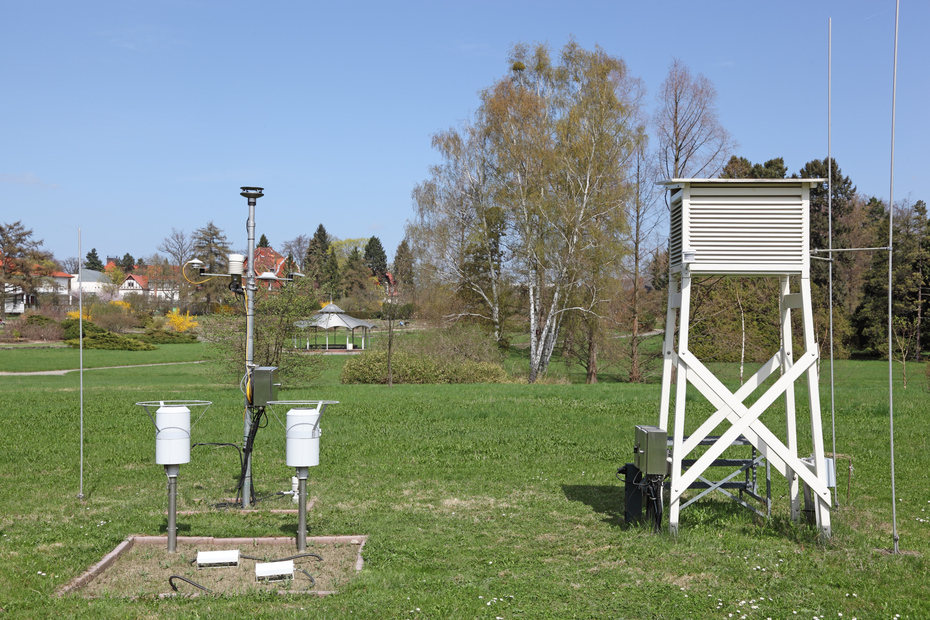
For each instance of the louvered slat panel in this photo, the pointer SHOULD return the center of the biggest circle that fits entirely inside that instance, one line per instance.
(745, 229)
(675, 231)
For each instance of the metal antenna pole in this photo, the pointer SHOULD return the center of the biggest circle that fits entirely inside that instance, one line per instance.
(894, 87)
(253, 194)
(830, 227)
(81, 354)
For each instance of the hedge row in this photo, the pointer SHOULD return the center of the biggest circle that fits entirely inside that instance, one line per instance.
(111, 341)
(371, 367)
(160, 336)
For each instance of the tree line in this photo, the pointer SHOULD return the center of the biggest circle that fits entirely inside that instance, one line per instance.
(542, 217)
(542, 221)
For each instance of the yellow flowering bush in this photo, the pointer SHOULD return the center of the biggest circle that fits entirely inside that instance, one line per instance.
(180, 322)
(74, 314)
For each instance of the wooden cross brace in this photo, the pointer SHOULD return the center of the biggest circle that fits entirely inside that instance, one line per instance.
(744, 421)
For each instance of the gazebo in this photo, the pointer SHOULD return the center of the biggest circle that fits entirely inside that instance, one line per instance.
(334, 317)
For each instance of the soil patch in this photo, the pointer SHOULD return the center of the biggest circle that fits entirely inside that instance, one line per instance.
(141, 567)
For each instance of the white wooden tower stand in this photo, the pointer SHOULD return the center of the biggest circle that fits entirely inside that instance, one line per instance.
(743, 227)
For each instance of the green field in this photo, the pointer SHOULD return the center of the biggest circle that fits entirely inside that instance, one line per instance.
(480, 501)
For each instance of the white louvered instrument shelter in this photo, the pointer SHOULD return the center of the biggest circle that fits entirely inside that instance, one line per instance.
(740, 226)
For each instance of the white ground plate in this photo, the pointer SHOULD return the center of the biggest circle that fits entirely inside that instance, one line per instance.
(210, 559)
(274, 570)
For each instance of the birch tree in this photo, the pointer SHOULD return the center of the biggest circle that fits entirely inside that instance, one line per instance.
(563, 135)
(458, 227)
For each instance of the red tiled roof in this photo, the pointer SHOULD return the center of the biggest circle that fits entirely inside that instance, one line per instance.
(143, 281)
(266, 259)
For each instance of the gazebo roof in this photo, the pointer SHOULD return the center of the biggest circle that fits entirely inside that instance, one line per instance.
(333, 316)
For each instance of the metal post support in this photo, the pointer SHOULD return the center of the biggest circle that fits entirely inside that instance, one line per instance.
(172, 472)
(302, 474)
(252, 194)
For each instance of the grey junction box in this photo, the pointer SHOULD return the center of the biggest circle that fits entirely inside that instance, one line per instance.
(264, 385)
(651, 450)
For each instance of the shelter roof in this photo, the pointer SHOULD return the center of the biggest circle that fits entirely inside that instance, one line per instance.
(331, 317)
(675, 183)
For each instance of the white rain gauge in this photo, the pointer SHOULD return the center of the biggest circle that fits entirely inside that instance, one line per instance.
(743, 227)
(302, 434)
(172, 422)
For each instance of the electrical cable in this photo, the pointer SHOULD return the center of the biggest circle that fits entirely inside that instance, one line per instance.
(300, 555)
(293, 557)
(193, 583)
(257, 414)
(312, 580)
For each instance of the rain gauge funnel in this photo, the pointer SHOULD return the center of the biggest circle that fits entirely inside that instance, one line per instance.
(172, 449)
(302, 434)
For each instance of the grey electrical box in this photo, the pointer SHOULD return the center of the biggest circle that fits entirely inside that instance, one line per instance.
(264, 385)
(650, 451)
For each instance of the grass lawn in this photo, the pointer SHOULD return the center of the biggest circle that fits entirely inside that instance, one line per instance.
(66, 358)
(480, 501)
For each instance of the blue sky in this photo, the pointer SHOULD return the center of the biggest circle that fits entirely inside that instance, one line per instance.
(126, 119)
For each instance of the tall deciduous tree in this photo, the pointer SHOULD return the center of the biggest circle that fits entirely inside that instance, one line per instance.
(23, 263)
(458, 229)
(691, 140)
(92, 261)
(70, 264)
(643, 218)
(296, 249)
(563, 136)
(178, 246)
(343, 248)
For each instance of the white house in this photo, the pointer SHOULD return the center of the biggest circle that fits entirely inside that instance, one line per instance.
(91, 283)
(18, 301)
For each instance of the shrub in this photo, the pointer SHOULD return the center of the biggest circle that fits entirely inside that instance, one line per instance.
(274, 331)
(75, 314)
(180, 322)
(160, 336)
(118, 323)
(459, 341)
(41, 330)
(371, 367)
(112, 342)
(37, 320)
(71, 328)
